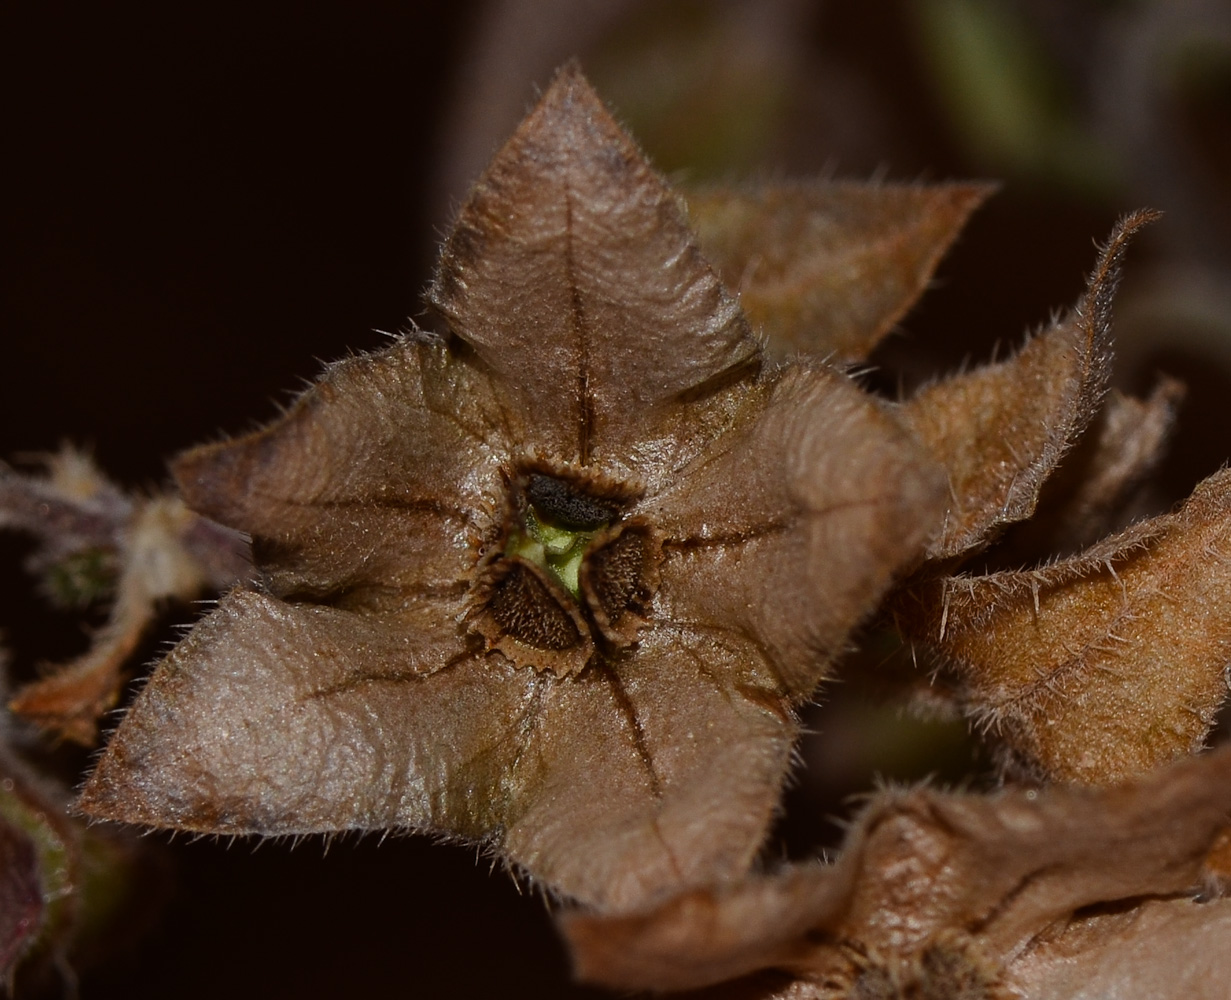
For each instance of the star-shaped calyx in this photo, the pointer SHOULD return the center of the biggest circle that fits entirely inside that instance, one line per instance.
(553, 579)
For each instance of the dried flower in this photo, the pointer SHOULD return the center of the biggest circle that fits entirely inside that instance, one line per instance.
(554, 579)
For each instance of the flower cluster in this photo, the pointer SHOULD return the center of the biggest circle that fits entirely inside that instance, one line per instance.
(556, 574)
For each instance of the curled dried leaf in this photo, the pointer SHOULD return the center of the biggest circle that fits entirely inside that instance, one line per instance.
(828, 267)
(1131, 437)
(1090, 490)
(553, 580)
(705, 937)
(1103, 665)
(957, 887)
(1002, 429)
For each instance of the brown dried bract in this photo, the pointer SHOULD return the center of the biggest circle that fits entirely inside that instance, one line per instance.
(1104, 665)
(828, 267)
(1001, 430)
(1100, 478)
(952, 889)
(552, 580)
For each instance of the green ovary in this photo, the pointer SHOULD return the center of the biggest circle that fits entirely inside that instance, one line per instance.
(555, 549)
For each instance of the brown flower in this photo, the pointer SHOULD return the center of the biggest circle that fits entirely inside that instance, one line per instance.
(553, 579)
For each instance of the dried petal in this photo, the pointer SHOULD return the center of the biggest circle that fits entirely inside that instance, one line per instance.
(573, 274)
(378, 483)
(828, 267)
(1104, 665)
(276, 719)
(661, 769)
(1002, 429)
(1007, 866)
(926, 870)
(707, 936)
(791, 552)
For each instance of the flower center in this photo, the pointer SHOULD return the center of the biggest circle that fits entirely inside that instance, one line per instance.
(555, 549)
(574, 575)
(557, 527)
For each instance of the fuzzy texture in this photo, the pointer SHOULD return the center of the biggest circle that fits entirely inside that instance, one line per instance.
(938, 892)
(1103, 665)
(1002, 430)
(411, 661)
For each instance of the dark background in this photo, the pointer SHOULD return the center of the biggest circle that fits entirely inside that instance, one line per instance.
(203, 205)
